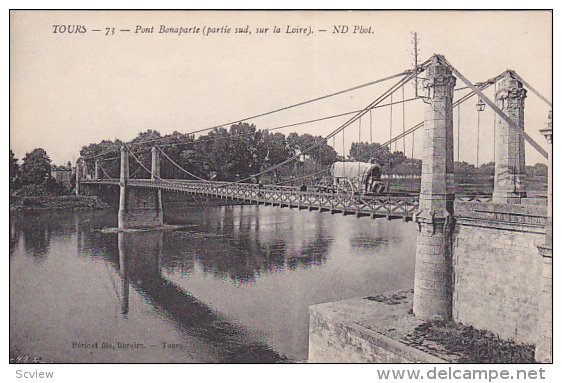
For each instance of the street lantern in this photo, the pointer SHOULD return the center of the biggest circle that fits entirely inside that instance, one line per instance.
(481, 105)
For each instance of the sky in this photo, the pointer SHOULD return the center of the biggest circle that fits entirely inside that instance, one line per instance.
(69, 90)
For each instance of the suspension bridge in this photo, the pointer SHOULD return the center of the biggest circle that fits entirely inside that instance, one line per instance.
(436, 209)
(389, 206)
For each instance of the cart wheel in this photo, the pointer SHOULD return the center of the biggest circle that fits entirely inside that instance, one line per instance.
(345, 187)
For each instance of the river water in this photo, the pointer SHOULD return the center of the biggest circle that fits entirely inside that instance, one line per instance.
(231, 284)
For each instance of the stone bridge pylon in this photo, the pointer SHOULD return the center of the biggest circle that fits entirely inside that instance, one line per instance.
(433, 270)
(139, 207)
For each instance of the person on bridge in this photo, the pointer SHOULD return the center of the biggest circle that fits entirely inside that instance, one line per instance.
(302, 189)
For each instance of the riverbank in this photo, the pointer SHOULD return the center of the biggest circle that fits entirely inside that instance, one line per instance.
(383, 329)
(63, 202)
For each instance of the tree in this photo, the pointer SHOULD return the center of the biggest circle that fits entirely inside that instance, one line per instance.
(148, 137)
(325, 154)
(488, 169)
(214, 155)
(410, 167)
(36, 167)
(277, 151)
(104, 150)
(14, 169)
(365, 152)
(243, 150)
(536, 170)
(464, 169)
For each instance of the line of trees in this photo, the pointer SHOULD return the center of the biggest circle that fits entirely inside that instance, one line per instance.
(33, 176)
(226, 155)
(221, 154)
(239, 152)
(243, 150)
(487, 169)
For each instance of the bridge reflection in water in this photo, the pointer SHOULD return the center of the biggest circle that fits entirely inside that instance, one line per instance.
(140, 260)
(233, 284)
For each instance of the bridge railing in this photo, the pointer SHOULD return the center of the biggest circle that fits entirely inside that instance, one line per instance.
(286, 196)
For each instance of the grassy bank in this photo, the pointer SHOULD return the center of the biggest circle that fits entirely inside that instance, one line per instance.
(469, 185)
(470, 345)
(64, 202)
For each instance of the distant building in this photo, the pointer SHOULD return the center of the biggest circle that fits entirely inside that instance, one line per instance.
(62, 174)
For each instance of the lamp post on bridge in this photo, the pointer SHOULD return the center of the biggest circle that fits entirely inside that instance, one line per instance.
(433, 270)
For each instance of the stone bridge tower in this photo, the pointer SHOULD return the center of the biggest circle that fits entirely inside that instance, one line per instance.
(433, 270)
(139, 207)
(509, 175)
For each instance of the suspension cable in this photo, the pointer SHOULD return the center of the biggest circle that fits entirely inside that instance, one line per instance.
(243, 134)
(494, 107)
(103, 170)
(301, 177)
(413, 142)
(343, 149)
(110, 159)
(318, 161)
(403, 120)
(359, 146)
(459, 133)
(371, 126)
(342, 127)
(144, 167)
(178, 166)
(406, 72)
(536, 92)
(389, 92)
(482, 86)
(477, 139)
(284, 126)
(495, 118)
(390, 136)
(359, 130)
(139, 168)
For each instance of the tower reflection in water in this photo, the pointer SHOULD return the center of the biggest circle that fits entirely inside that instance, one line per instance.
(140, 262)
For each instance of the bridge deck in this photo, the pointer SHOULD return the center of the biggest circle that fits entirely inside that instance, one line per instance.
(391, 207)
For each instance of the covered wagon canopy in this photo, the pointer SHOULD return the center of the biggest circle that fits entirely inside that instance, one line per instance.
(356, 171)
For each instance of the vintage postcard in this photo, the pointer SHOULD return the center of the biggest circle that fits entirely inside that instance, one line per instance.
(281, 187)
